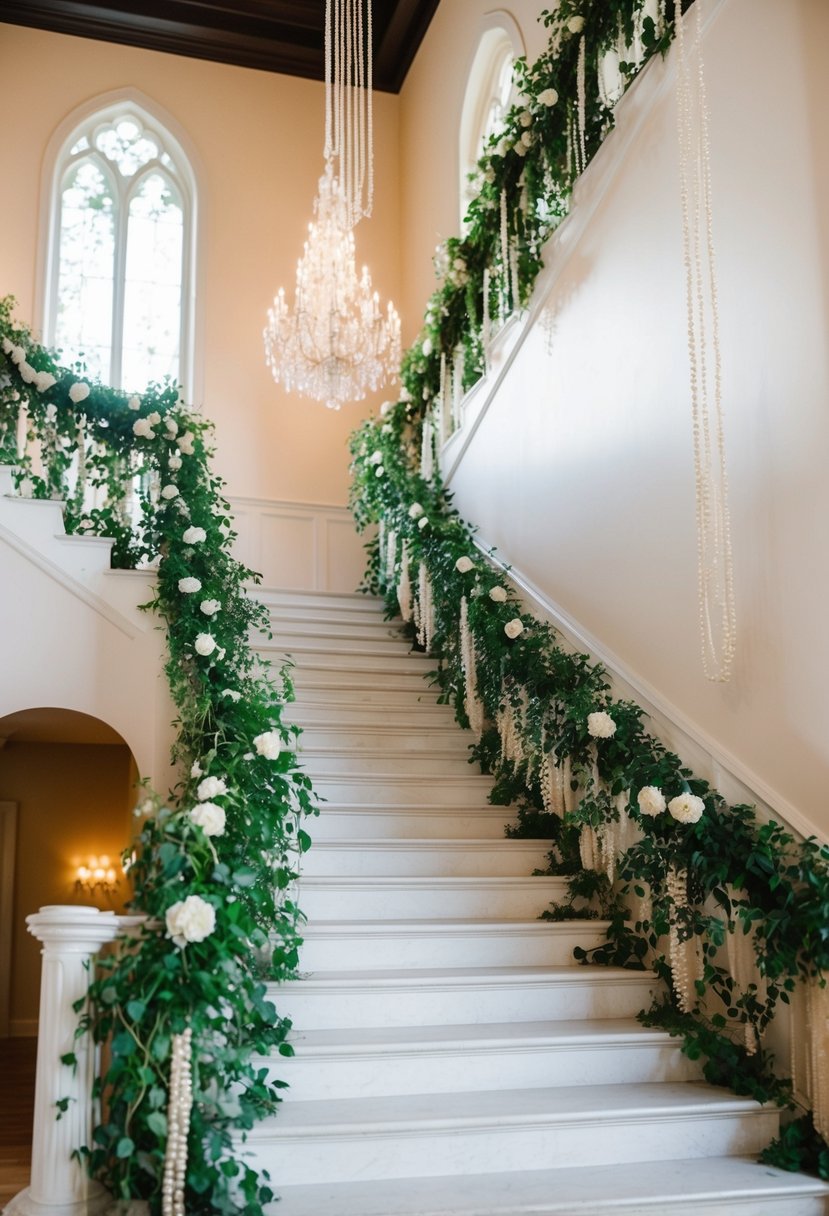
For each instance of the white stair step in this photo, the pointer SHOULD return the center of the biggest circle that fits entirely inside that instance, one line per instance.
(85, 555)
(40, 519)
(435, 858)
(298, 642)
(463, 1133)
(372, 629)
(340, 603)
(349, 822)
(364, 663)
(7, 472)
(327, 1000)
(384, 790)
(722, 1186)
(426, 898)
(331, 1064)
(378, 697)
(378, 945)
(415, 712)
(354, 680)
(346, 739)
(319, 762)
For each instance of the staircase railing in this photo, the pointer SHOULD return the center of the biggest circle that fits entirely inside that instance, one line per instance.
(213, 863)
(731, 911)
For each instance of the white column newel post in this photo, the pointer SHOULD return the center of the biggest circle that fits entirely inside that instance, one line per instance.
(71, 937)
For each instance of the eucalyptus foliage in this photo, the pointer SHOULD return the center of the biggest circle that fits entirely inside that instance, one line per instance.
(744, 876)
(145, 479)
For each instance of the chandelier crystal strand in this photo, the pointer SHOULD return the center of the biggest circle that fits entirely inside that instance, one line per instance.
(715, 575)
(349, 117)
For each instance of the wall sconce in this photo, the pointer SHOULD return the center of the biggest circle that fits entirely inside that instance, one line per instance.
(98, 875)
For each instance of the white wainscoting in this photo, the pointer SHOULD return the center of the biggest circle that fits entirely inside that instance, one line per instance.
(299, 546)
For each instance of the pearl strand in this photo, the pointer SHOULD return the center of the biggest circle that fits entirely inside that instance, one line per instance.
(472, 703)
(581, 104)
(391, 555)
(715, 578)
(505, 260)
(486, 335)
(444, 404)
(427, 461)
(404, 585)
(178, 1125)
(676, 886)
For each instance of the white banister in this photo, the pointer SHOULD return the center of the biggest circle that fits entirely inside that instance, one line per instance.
(59, 1186)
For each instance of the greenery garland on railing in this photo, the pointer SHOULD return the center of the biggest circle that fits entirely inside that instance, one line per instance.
(212, 864)
(731, 912)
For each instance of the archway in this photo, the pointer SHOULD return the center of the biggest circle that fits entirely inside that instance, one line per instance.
(67, 789)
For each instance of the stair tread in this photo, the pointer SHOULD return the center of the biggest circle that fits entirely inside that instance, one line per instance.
(571, 1031)
(450, 925)
(429, 882)
(529, 845)
(475, 975)
(566, 1191)
(502, 1108)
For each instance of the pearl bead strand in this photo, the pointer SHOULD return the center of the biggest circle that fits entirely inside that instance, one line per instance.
(178, 1125)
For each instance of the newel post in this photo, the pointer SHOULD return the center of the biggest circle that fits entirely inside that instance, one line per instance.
(71, 937)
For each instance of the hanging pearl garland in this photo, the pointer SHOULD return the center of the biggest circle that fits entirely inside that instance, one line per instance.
(444, 418)
(471, 701)
(572, 797)
(404, 585)
(391, 554)
(80, 487)
(505, 261)
(486, 323)
(427, 451)
(676, 886)
(457, 388)
(178, 1125)
(589, 850)
(581, 105)
(715, 574)
(424, 608)
(552, 783)
(817, 1005)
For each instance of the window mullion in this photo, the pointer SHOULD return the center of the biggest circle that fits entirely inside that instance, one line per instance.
(119, 285)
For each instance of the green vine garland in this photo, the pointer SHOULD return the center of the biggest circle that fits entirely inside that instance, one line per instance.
(213, 863)
(702, 872)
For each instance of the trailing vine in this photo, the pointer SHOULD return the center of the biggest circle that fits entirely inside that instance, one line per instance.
(729, 911)
(213, 863)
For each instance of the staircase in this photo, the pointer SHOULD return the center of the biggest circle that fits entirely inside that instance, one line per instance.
(451, 1060)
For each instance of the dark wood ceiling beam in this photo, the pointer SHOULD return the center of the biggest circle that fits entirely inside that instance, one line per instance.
(271, 35)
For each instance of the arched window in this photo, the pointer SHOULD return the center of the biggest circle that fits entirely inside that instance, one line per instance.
(120, 266)
(489, 94)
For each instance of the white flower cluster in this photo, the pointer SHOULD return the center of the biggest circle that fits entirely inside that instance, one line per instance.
(514, 628)
(268, 744)
(464, 564)
(210, 817)
(498, 594)
(190, 920)
(600, 725)
(210, 787)
(685, 808)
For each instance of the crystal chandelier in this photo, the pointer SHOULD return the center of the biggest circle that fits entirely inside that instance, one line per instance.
(336, 345)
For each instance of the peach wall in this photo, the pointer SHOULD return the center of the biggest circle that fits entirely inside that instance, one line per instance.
(74, 801)
(258, 138)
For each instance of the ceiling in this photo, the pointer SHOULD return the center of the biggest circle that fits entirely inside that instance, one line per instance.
(272, 35)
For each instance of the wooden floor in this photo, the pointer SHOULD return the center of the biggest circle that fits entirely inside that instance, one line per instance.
(17, 1095)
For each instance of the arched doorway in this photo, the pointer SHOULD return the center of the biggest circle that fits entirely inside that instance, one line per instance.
(67, 789)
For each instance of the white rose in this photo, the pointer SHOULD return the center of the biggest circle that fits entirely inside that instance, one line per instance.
(44, 381)
(154, 418)
(205, 644)
(196, 769)
(142, 428)
(169, 492)
(174, 463)
(190, 920)
(379, 471)
(600, 725)
(427, 347)
(210, 607)
(520, 148)
(464, 564)
(51, 415)
(376, 457)
(8, 345)
(269, 744)
(172, 427)
(387, 428)
(527, 139)
(514, 628)
(79, 391)
(231, 694)
(86, 524)
(422, 523)
(18, 355)
(575, 25)
(651, 800)
(386, 408)
(210, 818)
(415, 510)
(549, 97)
(194, 536)
(686, 808)
(185, 443)
(525, 118)
(211, 787)
(498, 594)
(189, 586)
(27, 373)
(134, 402)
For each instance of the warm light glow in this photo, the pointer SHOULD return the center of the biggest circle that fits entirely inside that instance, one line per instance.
(335, 345)
(99, 874)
